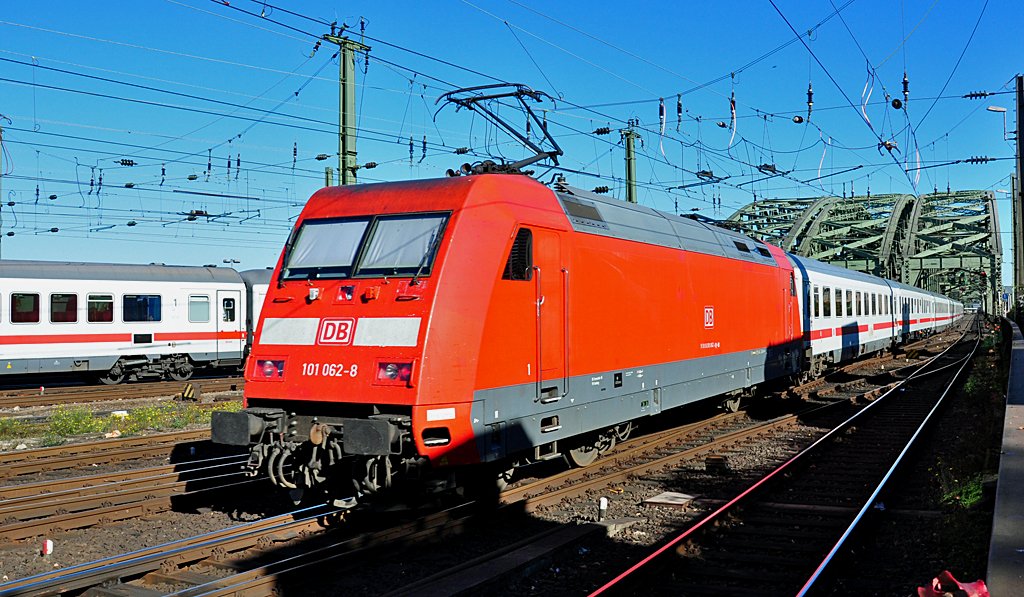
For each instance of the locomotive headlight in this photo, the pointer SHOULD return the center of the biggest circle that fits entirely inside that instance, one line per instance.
(395, 372)
(269, 369)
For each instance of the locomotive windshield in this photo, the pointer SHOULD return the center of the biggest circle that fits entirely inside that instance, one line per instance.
(392, 245)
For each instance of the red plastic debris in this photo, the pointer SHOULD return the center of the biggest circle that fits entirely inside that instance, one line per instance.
(944, 584)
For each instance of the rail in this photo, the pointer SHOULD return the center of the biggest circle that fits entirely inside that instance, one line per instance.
(713, 518)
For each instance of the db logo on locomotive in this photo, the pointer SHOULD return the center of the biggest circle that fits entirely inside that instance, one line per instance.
(336, 330)
(709, 317)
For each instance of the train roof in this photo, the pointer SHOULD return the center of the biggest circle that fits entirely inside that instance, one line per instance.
(606, 216)
(68, 270)
(813, 265)
(256, 276)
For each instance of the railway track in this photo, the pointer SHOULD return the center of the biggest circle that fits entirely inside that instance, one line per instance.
(178, 444)
(250, 560)
(233, 571)
(864, 373)
(780, 536)
(47, 507)
(50, 396)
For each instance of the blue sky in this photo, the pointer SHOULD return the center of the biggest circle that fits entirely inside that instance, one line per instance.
(175, 85)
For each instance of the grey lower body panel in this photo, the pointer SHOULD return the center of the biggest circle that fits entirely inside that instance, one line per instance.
(57, 365)
(512, 419)
(206, 357)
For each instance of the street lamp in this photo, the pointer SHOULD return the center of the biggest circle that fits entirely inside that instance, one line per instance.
(1000, 110)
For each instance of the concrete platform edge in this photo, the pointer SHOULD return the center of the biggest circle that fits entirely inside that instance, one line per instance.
(1006, 549)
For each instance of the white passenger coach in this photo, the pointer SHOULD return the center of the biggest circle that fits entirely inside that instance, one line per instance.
(114, 322)
(848, 314)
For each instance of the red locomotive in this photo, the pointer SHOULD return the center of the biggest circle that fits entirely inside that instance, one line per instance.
(414, 328)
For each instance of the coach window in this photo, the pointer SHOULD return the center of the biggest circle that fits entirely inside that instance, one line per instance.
(228, 309)
(24, 307)
(858, 303)
(827, 299)
(839, 303)
(519, 265)
(101, 308)
(198, 308)
(817, 303)
(63, 308)
(141, 307)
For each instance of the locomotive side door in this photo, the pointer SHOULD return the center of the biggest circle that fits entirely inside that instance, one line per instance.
(551, 279)
(229, 324)
(790, 305)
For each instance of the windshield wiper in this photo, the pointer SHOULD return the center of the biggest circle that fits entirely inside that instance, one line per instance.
(436, 240)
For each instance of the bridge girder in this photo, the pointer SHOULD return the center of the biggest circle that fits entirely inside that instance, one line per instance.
(941, 241)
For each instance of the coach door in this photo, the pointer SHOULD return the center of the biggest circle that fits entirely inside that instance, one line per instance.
(229, 325)
(551, 280)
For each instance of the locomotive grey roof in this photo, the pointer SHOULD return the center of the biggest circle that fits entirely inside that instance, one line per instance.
(605, 216)
(67, 270)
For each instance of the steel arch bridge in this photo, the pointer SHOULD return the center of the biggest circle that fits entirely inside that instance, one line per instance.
(945, 242)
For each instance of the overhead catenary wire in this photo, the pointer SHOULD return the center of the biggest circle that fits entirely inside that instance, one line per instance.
(840, 88)
(743, 165)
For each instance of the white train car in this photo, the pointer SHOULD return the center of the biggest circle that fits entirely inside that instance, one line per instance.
(114, 322)
(847, 314)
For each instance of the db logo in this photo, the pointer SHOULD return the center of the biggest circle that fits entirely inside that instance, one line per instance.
(709, 317)
(336, 330)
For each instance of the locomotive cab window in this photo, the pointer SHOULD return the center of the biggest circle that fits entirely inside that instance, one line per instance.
(198, 308)
(519, 265)
(388, 245)
(24, 307)
(63, 308)
(100, 308)
(140, 307)
(403, 244)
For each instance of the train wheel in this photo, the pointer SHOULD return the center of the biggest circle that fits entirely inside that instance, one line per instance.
(113, 377)
(504, 477)
(183, 373)
(584, 455)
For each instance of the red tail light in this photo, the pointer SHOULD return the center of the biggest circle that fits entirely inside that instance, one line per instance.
(269, 370)
(393, 372)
